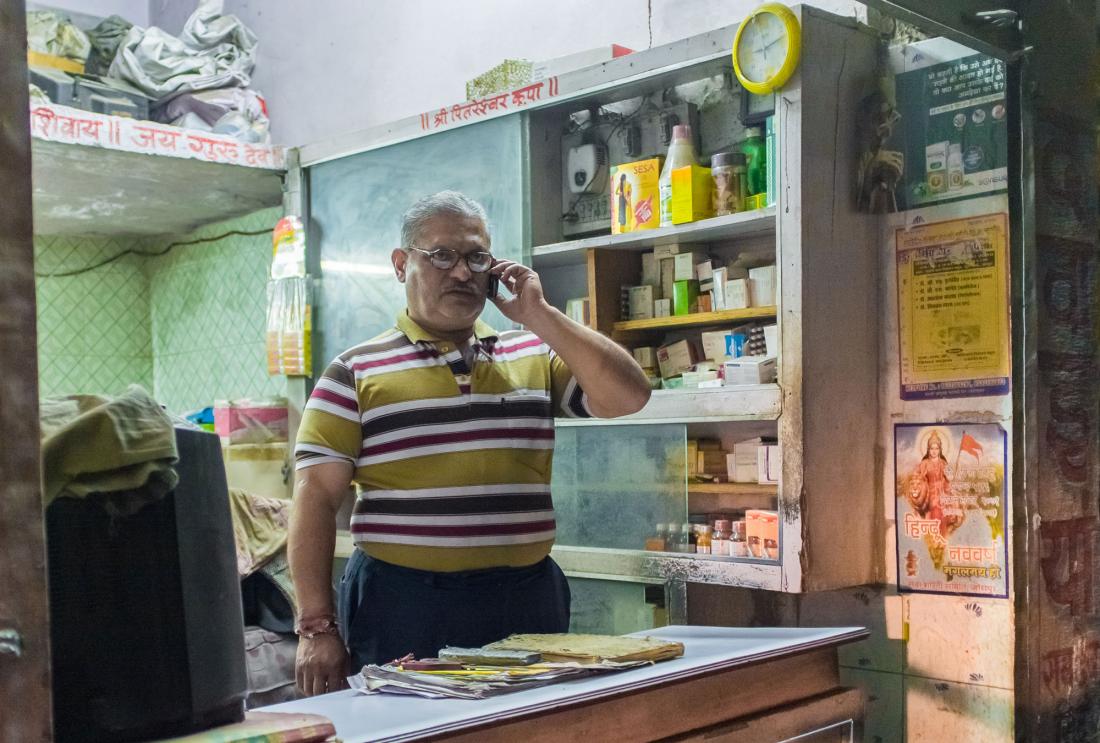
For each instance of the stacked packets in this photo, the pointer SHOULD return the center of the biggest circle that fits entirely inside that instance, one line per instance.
(518, 662)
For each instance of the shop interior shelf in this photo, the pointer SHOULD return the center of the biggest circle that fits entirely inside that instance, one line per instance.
(724, 496)
(697, 319)
(741, 225)
(596, 562)
(755, 402)
(89, 190)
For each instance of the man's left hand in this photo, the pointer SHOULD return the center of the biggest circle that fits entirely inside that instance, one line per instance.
(527, 302)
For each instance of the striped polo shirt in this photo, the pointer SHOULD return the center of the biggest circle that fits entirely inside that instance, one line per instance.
(452, 463)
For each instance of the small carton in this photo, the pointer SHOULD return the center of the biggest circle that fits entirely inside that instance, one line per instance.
(675, 358)
(684, 294)
(741, 465)
(714, 344)
(704, 271)
(771, 339)
(578, 310)
(704, 303)
(667, 250)
(662, 308)
(762, 534)
(646, 356)
(684, 264)
(767, 464)
(641, 302)
(691, 187)
(719, 277)
(635, 196)
(762, 285)
(749, 370)
(737, 294)
(666, 269)
(651, 270)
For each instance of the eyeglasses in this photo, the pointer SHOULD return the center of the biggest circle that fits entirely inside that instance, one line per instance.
(445, 259)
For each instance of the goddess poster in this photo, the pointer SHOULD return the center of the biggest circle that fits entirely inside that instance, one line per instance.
(950, 508)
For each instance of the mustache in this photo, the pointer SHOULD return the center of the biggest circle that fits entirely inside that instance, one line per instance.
(469, 286)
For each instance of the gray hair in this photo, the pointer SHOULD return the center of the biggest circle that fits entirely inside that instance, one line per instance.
(445, 202)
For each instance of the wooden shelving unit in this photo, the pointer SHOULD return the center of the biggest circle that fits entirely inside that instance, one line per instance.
(727, 496)
(697, 319)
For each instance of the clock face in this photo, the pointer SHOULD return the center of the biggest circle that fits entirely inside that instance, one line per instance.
(763, 47)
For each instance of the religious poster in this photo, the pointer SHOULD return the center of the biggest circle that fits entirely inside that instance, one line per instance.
(953, 308)
(950, 508)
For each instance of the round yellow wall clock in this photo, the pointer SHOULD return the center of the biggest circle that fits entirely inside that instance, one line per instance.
(766, 48)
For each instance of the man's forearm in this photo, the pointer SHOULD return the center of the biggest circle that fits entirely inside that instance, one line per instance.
(310, 548)
(610, 376)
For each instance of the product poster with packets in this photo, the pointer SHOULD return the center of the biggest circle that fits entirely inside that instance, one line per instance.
(950, 509)
(953, 308)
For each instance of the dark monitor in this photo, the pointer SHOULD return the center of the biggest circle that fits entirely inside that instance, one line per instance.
(145, 610)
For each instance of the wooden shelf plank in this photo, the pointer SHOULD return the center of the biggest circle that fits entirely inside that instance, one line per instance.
(696, 319)
(756, 223)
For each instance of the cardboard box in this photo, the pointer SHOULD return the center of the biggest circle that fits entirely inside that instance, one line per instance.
(768, 464)
(705, 302)
(635, 196)
(684, 294)
(646, 357)
(710, 462)
(667, 250)
(675, 358)
(719, 276)
(662, 308)
(762, 286)
(714, 344)
(737, 294)
(771, 340)
(641, 302)
(741, 464)
(651, 271)
(762, 534)
(691, 187)
(704, 271)
(667, 270)
(577, 310)
(750, 370)
(695, 378)
(684, 266)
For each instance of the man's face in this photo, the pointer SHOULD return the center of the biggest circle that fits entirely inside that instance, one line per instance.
(444, 299)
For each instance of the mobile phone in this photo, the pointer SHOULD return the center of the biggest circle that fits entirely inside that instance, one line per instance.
(494, 285)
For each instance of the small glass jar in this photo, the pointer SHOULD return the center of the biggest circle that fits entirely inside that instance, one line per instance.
(720, 538)
(729, 171)
(738, 547)
(703, 540)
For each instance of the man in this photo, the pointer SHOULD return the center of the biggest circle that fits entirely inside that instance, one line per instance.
(445, 427)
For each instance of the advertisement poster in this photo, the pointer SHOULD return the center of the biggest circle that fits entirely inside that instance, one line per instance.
(954, 128)
(953, 308)
(950, 509)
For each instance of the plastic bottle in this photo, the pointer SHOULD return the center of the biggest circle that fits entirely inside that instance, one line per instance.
(703, 540)
(755, 150)
(728, 171)
(657, 542)
(720, 538)
(955, 173)
(681, 153)
(685, 543)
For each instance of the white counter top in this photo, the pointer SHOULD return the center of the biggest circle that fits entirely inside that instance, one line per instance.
(388, 717)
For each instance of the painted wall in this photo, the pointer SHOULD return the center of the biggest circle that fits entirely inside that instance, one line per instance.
(337, 66)
(188, 326)
(93, 328)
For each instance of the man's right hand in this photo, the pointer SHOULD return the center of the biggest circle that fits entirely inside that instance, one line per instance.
(321, 665)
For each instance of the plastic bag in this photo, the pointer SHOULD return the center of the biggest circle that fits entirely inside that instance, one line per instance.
(105, 39)
(238, 112)
(52, 33)
(214, 51)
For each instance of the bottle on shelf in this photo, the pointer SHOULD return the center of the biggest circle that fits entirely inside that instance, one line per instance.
(686, 542)
(703, 540)
(720, 538)
(681, 153)
(737, 546)
(755, 149)
(657, 542)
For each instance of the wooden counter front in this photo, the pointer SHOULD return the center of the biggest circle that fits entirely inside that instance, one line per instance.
(731, 684)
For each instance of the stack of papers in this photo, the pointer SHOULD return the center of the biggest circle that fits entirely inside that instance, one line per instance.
(564, 656)
(475, 682)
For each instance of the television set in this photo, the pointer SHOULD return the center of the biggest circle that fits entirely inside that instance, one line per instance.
(146, 628)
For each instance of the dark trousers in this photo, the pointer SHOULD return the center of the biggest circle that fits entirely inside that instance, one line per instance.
(386, 611)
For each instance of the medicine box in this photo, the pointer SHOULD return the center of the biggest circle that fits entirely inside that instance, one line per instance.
(750, 370)
(651, 270)
(641, 302)
(762, 534)
(684, 266)
(684, 294)
(635, 196)
(675, 358)
(646, 357)
(767, 464)
(691, 187)
(737, 294)
(741, 465)
(714, 344)
(662, 308)
(762, 285)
